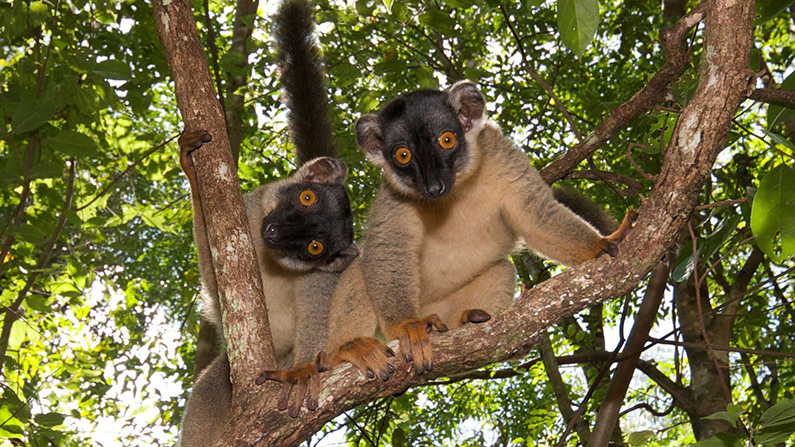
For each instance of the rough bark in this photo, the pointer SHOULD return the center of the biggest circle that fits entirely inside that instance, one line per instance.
(239, 285)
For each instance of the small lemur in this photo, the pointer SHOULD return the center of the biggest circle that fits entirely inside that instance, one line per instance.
(305, 230)
(455, 198)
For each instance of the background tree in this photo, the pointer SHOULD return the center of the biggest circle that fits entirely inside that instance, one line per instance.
(98, 276)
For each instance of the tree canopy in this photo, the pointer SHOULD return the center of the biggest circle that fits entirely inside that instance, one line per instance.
(98, 280)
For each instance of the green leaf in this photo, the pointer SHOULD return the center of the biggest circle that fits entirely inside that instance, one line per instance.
(778, 423)
(17, 335)
(767, 9)
(73, 143)
(639, 437)
(475, 74)
(28, 233)
(720, 440)
(50, 419)
(398, 437)
(773, 213)
(777, 114)
(440, 20)
(578, 21)
(113, 69)
(426, 78)
(31, 115)
(729, 416)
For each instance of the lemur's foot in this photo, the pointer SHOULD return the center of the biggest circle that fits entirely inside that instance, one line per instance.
(475, 316)
(303, 381)
(189, 141)
(609, 244)
(369, 355)
(414, 342)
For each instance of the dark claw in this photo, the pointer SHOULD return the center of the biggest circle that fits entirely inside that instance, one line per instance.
(478, 316)
(429, 366)
(369, 373)
(294, 412)
(311, 404)
(612, 250)
(282, 403)
(409, 357)
(383, 375)
(390, 368)
(389, 352)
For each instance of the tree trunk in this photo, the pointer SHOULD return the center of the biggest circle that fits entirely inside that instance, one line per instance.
(246, 326)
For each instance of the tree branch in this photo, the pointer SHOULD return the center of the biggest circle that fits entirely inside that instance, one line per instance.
(607, 416)
(676, 60)
(245, 316)
(770, 95)
(559, 388)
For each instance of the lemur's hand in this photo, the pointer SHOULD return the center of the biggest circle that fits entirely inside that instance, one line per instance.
(414, 342)
(303, 381)
(609, 244)
(189, 141)
(369, 355)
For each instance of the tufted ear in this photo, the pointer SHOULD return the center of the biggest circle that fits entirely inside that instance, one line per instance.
(468, 103)
(368, 135)
(324, 170)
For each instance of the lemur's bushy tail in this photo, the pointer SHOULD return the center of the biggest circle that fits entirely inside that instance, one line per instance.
(303, 81)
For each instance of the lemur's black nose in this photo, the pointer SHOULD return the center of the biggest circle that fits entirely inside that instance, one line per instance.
(435, 189)
(270, 232)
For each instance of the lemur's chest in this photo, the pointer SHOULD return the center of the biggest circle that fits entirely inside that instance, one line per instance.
(280, 299)
(463, 236)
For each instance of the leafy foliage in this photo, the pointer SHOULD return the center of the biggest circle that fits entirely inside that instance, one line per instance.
(98, 276)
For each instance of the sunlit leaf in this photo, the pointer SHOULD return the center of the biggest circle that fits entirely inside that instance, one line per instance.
(73, 143)
(773, 213)
(578, 21)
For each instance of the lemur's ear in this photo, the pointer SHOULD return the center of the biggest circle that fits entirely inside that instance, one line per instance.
(468, 103)
(324, 170)
(342, 260)
(368, 134)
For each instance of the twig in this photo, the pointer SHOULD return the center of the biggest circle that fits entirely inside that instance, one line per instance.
(538, 79)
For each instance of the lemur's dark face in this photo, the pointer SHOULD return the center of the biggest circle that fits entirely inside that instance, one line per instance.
(423, 142)
(313, 222)
(419, 139)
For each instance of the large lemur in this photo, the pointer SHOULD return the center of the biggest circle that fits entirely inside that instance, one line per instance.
(305, 230)
(455, 198)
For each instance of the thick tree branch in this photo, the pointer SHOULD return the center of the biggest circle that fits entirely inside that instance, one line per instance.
(239, 285)
(676, 60)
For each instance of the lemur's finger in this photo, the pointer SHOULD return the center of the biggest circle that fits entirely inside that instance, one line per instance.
(284, 396)
(313, 393)
(435, 321)
(278, 376)
(298, 394)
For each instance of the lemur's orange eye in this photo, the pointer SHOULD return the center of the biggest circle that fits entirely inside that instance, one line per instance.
(315, 248)
(447, 140)
(402, 155)
(307, 197)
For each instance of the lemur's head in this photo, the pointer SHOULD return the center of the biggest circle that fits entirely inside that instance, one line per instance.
(311, 226)
(419, 139)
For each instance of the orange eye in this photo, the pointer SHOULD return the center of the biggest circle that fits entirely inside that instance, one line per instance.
(315, 248)
(402, 156)
(307, 197)
(447, 140)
